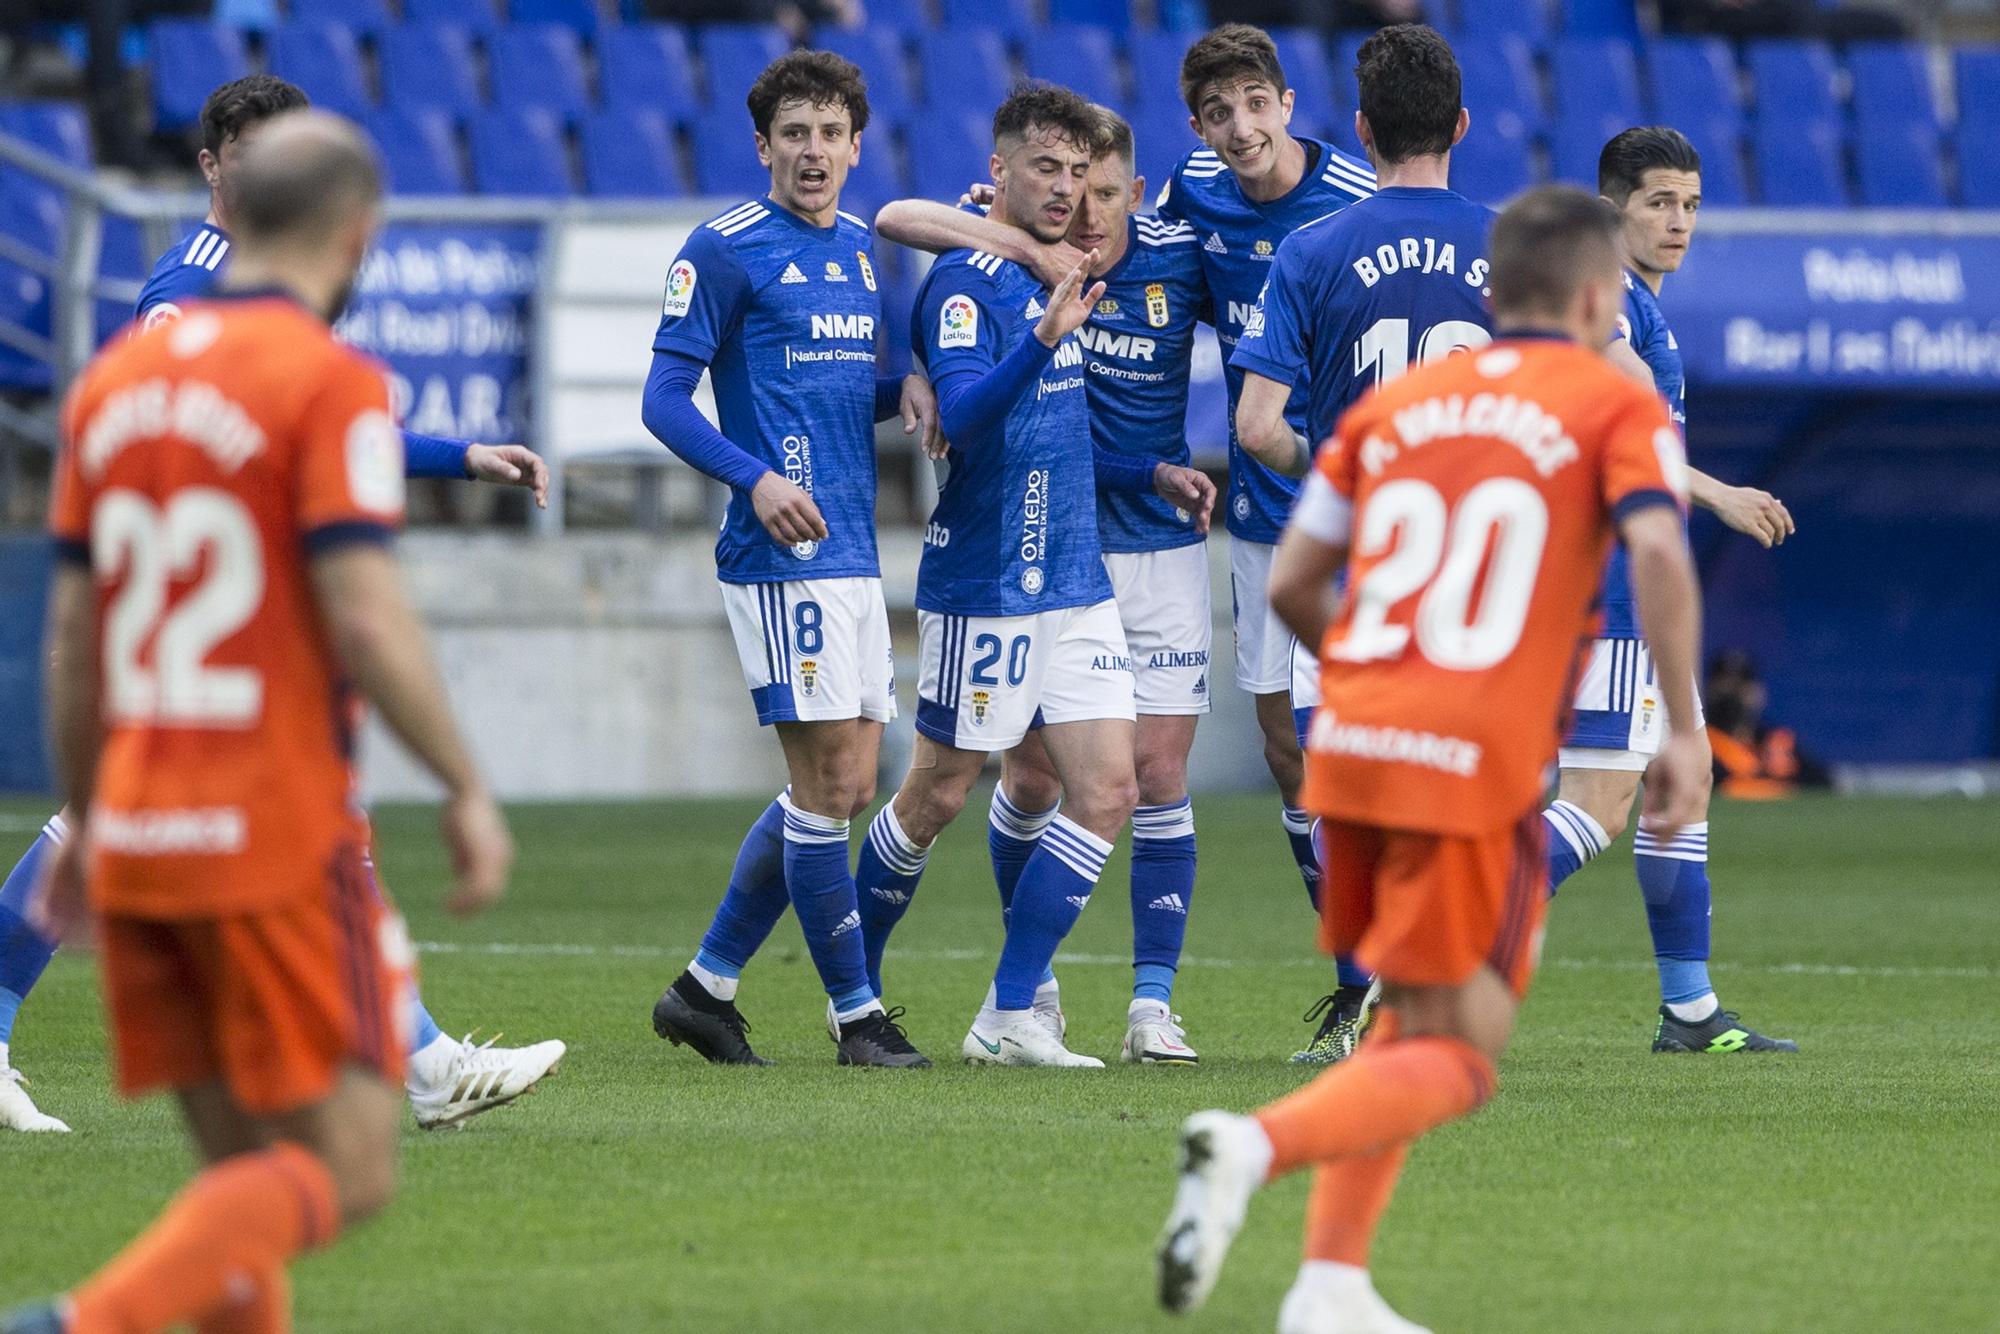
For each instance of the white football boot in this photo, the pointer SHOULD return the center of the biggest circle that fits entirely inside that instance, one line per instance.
(18, 1110)
(450, 1084)
(1019, 1037)
(1331, 1298)
(1153, 1036)
(1048, 1009)
(1224, 1159)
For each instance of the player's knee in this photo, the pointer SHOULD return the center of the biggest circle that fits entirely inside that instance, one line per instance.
(862, 797)
(930, 810)
(1033, 789)
(1613, 819)
(1103, 804)
(1162, 779)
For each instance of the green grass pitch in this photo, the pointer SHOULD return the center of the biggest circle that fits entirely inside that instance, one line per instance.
(1852, 1187)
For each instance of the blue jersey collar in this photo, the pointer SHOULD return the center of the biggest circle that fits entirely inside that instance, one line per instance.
(1315, 162)
(823, 233)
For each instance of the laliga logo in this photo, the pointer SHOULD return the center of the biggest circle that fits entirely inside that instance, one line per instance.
(982, 700)
(809, 676)
(680, 287)
(958, 315)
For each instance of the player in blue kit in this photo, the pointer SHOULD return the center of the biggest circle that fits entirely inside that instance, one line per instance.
(1244, 192)
(1653, 176)
(1016, 618)
(776, 299)
(1152, 518)
(449, 1080)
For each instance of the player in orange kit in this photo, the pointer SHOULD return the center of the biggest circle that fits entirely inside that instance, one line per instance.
(224, 601)
(1472, 502)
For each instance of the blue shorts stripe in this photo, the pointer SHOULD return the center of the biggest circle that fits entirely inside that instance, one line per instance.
(937, 721)
(774, 704)
(784, 636)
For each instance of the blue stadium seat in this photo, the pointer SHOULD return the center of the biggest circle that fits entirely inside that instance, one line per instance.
(905, 16)
(476, 16)
(428, 65)
(1600, 18)
(59, 129)
(191, 57)
(1527, 19)
(1720, 144)
(1498, 82)
(1302, 55)
(963, 67)
(1693, 79)
(1899, 168)
(580, 16)
(1892, 88)
(537, 64)
(1012, 18)
(121, 253)
(1799, 165)
(949, 150)
(1574, 146)
(1978, 170)
(1595, 78)
(30, 213)
(628, 153)
(878, 53)
(1347, 55)
(647, 65)
(1793, 82)
(519, 151)
(1113, 14)
(325, 60)
(419, 151)
(875, 180)
(736, 53)
(726, 164)
(1156, 68)
(1491, 165)
(1162, 138)
(1077, 56)
(1976, 76)
(363, 16)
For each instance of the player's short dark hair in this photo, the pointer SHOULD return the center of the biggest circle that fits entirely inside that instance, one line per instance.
(1622, 166)
(236, 106)
(1114, 137)
(817, 78)
(1229, 54)
(1409, 91)
(1547, 244)
(1047, 106)
(312, 173)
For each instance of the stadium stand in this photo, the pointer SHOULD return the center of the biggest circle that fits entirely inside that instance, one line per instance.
(1012, 19)
(1115, 15)
(1693, 81)
(1892, 88)
(426, 65)
(727, 164)
(1796, 82)
(325, 60)
(963, 68)
(419, 150)
(363, 16)
(190, 57)
(1898, 168)
(1492, 164)
(1303, 55)
(1799, 165)
(1595, 79)
(538, 64)
(1527, 19)
(578, 15)
(1498, 77)
(473, 15)
(628, 153)
(648, 66)
(1079, 56)
(948, 151)
(735, 54)
(878, 53)
(519, 151)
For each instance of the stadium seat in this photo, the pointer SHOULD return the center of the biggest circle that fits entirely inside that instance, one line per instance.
(1799, 166)
(1899, 168)
(1978, 170)
(419, 151)
(580, 16)
(1793, 82)
(1491, 165)
(428, 65)
(1113, 14)
(736, 53)
(1156, 68)
(1595, 79)
(1077, 56)
(1721, 148)
(908, 17)
(1012, 18)
(875, 180)
(1892, 88)
(59, 129)
(647, 65)
(1528, 19)
(949, 150)
(121, 253)
(1497, 81)
(325, 60)
(1693, 79)
(1303, 56)
(628, 153)
(1574, 146)
(537, 64)
(477, 16)
(191, 57)
(878, 53)
(519, 151)
(726, 165)
(963, 67)
(1162, 138)
(1600, 18)
(1976, 77)
(1347, 55)
(363, 16)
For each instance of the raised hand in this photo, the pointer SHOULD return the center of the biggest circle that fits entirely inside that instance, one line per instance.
(1758, 513)
(510, 465)
(1069, 305)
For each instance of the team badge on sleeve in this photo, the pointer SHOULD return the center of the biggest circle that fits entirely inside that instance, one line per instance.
(375, 463)
(1156, 305)
(680, 288)
(1673, 460)
(958, 323)
(867, 269)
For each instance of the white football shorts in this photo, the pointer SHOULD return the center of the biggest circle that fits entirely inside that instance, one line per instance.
(1263, 643)
(1163, 600)
(814, 650)
(986, 681)
(1620, 717)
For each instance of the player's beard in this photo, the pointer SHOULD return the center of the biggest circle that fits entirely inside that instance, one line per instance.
(340, 299)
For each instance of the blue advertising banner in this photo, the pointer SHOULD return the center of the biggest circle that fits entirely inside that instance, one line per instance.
(1863, 311)
(447, 307)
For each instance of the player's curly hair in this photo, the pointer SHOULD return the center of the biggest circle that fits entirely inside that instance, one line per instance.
(1622, 166)
(1229, 54)
(1047, 106)
(816, 78)
(1409, 91)
(237, 105)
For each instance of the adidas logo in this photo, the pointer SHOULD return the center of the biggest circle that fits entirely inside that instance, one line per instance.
(1034, 310)
(1078, 901)
(1213, 245)
(792, 274)
(851, 922)
(895, 896)
(479, 1086)
(1170, 903)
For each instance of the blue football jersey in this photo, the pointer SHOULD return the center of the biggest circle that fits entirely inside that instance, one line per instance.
(1359, 297)
(784, 314)
(1644, 326)
(1015, 528)
(1239, 242)
(192, 269)
(1138, 350)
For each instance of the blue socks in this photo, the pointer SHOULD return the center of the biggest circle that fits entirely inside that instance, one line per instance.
(822, 891)
(1673, 874)
(884, 882)
(753, 903)
(1574, 839)
(1163, 866)
(24, 951)
(1011, 836)
(1305, 851)
(1054, 887)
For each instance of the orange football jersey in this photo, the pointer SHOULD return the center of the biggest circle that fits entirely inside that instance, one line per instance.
(1477, 497)
(204, 464)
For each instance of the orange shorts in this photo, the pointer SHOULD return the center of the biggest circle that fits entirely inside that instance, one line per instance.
(272, 1003)
(1427, 909)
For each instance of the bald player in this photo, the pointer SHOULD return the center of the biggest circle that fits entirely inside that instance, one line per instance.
(225, 601)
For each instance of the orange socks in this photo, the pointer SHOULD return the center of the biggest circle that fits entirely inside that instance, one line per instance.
(1347, 1201)
(218, 1251)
